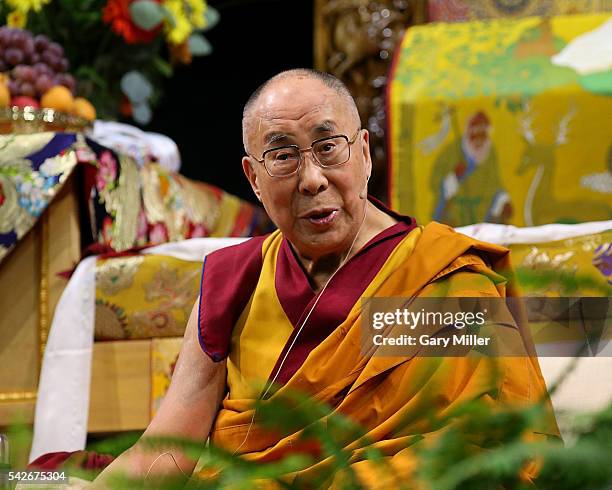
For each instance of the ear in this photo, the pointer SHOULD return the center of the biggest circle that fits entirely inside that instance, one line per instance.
(251, 175)
(365, 148)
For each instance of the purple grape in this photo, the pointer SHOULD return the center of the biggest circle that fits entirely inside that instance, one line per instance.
(10, 35)
(14, 56)
(25, 73)
(3, 66)
(5, 35)
(67, 81)
(57, 65)
(44, 83)
(35, 58)
(42, 68)
(28, 89)
(56, 48)
(41, 42)
(29, 74)
(19, 39)
(49, 58)
(63, 65)
(18, 71)
(28, 47)
(13, 87)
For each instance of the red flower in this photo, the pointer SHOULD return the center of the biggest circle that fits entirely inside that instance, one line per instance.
(117, 14)
(125, 106)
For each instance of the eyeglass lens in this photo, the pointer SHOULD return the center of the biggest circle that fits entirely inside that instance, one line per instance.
(329, 152)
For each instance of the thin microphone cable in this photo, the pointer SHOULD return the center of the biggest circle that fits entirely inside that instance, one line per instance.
(168, 453)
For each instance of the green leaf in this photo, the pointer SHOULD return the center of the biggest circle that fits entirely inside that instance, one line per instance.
(146, 14)
(211, 17)
(141, 113)
(199, 45)
(115, 445)
(163, 66)
(136, 87)
(89, 73)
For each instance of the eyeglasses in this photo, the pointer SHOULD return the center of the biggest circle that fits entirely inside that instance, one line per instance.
(327, 152)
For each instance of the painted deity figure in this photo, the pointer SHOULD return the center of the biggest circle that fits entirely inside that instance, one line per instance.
(466, 180)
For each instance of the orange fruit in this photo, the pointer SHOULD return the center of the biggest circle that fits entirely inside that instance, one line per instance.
(5, 95)
(58, 98)
(83, 108)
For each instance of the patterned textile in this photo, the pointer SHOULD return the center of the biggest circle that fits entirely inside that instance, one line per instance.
(126, 206)
(580, 266)
(464, 10)
(144, 296)
(503, 122)
(131, 207)
(575, 267)
(32, 171)
(164, 354)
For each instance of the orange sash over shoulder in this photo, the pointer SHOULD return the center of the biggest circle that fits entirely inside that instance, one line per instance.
(380, 393)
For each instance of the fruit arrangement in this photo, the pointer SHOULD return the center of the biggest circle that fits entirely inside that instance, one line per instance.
(34, 73)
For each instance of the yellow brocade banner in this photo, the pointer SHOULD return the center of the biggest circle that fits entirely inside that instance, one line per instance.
(144, 296)
(464, 10)
(580, 266)
(506, 121)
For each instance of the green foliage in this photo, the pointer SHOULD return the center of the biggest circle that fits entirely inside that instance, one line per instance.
(481, 448)
(116, 445)
(199, 45)
(472, 447)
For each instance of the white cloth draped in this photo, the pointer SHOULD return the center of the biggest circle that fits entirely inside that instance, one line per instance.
(60, 421)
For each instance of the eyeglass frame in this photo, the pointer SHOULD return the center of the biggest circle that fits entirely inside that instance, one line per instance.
(301, 150)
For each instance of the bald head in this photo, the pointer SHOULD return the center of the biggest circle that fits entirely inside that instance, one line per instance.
(286, 77)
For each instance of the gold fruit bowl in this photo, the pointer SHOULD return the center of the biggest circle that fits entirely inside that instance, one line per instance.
(27, 120)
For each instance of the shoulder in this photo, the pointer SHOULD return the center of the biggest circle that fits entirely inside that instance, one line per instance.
(229, 277)
(461, 248)
(466, 266)
(239, 252)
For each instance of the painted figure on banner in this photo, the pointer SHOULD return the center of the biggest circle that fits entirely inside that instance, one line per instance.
(542, 204)
(465, 177)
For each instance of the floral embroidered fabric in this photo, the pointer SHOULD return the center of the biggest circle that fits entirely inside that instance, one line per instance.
(124, 206)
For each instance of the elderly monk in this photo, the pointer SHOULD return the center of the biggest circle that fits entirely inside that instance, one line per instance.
(286, 307)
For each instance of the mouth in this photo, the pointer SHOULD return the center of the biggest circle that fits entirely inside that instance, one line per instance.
(323, 216)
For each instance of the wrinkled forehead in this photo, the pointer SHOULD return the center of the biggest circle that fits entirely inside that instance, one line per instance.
(298, 109)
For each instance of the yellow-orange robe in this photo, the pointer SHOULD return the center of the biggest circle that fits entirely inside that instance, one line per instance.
(380, 393)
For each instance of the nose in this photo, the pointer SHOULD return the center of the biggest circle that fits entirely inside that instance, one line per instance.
(311, 177)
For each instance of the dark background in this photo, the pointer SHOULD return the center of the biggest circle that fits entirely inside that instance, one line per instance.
(201, 109)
